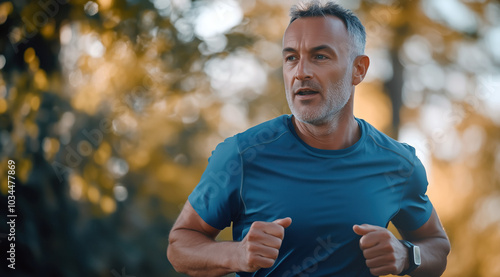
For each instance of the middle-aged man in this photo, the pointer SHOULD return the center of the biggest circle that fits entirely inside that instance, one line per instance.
(311, 194)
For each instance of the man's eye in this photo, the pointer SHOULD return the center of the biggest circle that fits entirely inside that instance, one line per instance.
(320, 57)
(291, 58)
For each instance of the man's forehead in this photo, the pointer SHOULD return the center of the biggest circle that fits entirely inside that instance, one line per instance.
(319, 29)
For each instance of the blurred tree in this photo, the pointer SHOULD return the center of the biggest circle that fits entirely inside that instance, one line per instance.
(98, 109)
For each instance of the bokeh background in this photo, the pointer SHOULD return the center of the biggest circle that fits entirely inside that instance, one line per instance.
(111, 108)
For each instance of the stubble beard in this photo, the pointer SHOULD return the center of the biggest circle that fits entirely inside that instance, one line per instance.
(336, 99)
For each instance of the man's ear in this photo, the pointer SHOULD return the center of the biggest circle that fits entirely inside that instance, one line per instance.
(359, 69)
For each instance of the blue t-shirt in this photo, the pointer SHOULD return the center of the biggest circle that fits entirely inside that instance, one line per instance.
(268, 172)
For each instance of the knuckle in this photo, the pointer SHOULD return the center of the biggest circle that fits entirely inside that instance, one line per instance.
(252, 235)
(276, 228)
(362, 242)
(255, 225)
(279, 243)
(251, 247)
(268, 263)
(388, 248)
(275, 254)
(251, 260)
(368, 263)
(281, 232)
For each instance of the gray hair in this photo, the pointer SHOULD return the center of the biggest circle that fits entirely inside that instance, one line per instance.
(355, 29)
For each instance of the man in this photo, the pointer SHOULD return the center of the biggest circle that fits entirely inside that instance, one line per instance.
(310, 194)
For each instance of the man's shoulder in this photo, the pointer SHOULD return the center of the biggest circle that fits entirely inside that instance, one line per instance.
(386, 143)
(265, 132)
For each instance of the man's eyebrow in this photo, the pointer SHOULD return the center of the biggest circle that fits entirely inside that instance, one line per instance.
(322, 47)
(314, 49)
(288, 49)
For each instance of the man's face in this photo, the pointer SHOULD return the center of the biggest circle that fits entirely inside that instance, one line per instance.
(317, 68)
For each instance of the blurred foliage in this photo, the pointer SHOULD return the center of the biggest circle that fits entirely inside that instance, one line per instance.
(111, 108)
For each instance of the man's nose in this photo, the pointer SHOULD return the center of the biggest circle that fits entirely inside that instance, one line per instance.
(303, 70)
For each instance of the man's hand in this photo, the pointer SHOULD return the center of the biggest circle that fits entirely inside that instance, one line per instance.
(260, 247)
(383, 252)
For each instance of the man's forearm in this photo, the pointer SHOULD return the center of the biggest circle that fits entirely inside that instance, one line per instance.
(434, 253)
(198, 255)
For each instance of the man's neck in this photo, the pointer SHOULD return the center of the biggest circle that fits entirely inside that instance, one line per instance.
(340, 133)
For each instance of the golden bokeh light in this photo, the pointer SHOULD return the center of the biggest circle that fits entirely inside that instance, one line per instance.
(77, 187)
(48, 30)
(105, 4)
(108, 205)
(41, 81)
(50, 147)
(3, 105)
(93, 194)
(103, 153)
(35, 102)
(370, 102)
(23, 168)
(138, 159)
(29, 55)
(5, 9)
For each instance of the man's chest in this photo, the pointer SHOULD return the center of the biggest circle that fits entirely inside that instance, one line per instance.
(322, 198)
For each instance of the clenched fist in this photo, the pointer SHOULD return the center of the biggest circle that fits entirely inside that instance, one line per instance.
(383, 252)
(260, 247)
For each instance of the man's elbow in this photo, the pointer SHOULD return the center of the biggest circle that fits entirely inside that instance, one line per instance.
(176, 262)
(448, 247)
(172, 255)
(445, 251)
(445, 247)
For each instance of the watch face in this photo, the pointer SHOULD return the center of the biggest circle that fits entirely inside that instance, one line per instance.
(416, 255)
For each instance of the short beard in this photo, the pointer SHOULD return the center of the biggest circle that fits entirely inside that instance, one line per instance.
(336, 99)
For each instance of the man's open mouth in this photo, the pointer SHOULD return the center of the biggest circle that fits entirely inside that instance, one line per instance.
(306, 92)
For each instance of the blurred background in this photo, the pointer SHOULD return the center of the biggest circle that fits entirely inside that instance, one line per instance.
(111, 108)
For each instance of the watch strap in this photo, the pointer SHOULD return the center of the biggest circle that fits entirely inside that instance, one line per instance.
(411, 258)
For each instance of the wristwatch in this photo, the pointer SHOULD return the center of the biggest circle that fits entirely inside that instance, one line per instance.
(413, 257)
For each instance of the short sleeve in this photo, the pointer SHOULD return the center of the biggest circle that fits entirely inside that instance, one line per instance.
(216, 198)
(416, 208)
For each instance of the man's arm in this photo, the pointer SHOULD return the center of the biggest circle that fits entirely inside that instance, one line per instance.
(385, 254)
(193, 250)
(434, 246)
